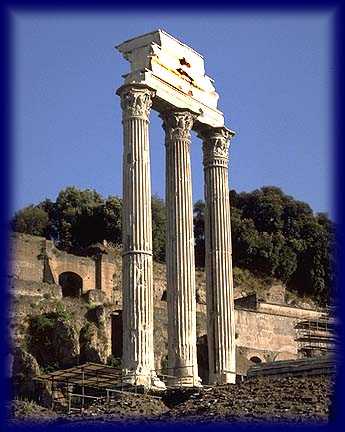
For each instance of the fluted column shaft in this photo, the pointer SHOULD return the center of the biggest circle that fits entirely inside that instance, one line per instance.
(137, 276)
(219, 280)
(182, 354)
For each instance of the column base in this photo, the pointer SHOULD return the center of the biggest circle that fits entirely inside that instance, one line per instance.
(157, 384)
(222, 378)
(149, 380)
(185, 382)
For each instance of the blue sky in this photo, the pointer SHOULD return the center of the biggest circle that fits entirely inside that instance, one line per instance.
(273, 73)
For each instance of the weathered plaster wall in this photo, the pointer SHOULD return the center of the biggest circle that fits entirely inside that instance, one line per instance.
(270, 328)
(259, 331)
(26, 262)
(108, 269)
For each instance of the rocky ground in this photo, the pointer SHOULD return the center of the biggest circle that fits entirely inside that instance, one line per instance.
(266, 399)
(287, 399)
(21, 410)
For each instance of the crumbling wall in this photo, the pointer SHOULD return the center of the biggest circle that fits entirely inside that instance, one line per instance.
(36, 259)
(263, 332)
(61, 262)
(289, 311)
(26, 260)
(109, 269)
(276, 294)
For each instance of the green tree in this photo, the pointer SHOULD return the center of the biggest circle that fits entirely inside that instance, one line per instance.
(31, 220)
(199, 233)
(112, 217)
(272, 233)
(264, 206)
(75, 210)
(50, 208)
(158, 228)
(315, 270)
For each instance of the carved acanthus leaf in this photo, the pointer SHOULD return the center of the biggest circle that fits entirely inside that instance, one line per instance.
(216, 145)
(136, 102)
(177, 124)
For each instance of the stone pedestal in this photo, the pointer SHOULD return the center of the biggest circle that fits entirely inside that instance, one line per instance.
(137, 277)
(182, 354)
(219, 281)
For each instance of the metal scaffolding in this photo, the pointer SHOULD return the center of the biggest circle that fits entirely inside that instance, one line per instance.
(74, 389)
(316, 337)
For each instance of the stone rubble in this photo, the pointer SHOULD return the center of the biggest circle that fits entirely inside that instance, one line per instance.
(287, 399)
(260, 400)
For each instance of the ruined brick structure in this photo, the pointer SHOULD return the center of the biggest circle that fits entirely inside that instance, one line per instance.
(37, 259)
(265, 329)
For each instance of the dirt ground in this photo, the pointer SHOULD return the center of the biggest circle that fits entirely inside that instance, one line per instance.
(266, 399)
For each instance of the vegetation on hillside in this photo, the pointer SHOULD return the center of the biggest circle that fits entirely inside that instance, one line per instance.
(273, 234)
(50, 339)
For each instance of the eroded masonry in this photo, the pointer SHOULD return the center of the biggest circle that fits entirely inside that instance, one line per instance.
(170, 325)
(269, 327)
(169, 77)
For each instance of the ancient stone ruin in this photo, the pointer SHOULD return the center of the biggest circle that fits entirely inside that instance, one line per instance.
(157, 325)
(170, 77)
(268, 327)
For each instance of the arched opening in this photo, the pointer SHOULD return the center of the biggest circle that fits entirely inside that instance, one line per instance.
(255, 359)
(71, 284)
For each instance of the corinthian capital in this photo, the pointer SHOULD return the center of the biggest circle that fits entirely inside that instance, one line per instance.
(177, 124)
(136, 101)
(216, 143)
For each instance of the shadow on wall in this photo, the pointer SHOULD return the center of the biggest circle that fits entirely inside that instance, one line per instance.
(116, 334)
(202, 355)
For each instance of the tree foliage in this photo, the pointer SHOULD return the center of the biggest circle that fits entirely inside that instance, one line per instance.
(158, 228)
(199, 233)
(31, 220)
(76, 220)
(273, 234)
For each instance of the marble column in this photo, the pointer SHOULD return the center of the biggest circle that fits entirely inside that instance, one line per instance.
(137, 276)
(219, 281)
(182, 354)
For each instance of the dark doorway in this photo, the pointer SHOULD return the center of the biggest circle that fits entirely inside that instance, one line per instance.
(202, 356)
(255, 360)
(116, 334)
(71, 284)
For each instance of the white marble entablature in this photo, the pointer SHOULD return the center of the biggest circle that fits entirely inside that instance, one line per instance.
(176, 72)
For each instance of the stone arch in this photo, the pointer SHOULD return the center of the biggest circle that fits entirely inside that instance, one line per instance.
(71, 284)
(62, 262)
(255, 359)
